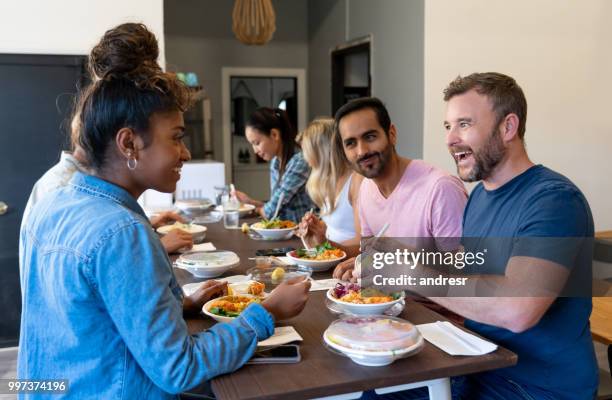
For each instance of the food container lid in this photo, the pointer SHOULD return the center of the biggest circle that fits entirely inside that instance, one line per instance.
(269, 272)
(209, 259)
(372, 333)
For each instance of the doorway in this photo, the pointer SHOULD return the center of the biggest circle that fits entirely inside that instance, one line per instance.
(351, 72)
(35, 103)
(243, 91)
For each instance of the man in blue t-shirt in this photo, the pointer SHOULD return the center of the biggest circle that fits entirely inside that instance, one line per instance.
(537, 209)
(538, 228)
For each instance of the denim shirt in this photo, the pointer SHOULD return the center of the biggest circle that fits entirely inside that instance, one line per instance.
(102, 308)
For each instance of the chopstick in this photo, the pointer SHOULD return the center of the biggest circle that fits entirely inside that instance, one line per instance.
(278, 205)
(378, 235)
(383, 230)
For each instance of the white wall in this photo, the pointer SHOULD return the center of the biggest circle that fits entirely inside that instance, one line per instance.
(71, 26)
(559, 52)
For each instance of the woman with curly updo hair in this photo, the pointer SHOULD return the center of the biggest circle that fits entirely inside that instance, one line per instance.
(101, 306)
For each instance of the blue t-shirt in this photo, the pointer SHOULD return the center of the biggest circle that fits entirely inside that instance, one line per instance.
(555, 357)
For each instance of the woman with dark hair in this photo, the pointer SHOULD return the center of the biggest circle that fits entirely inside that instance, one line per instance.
(101, 306)
(273, 138)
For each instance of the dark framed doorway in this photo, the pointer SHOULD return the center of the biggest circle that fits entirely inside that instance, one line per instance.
(351, 72)
(36, 99)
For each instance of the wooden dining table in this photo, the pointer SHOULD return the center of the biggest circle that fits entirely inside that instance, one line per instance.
(322, 373)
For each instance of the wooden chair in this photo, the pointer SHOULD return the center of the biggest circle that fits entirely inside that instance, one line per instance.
(601, 323)
(601, 317)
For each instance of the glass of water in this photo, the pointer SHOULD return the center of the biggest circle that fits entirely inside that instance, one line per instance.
(231, 214)
(221, 194)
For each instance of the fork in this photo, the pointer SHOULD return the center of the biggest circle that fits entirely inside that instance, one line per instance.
(309, 251)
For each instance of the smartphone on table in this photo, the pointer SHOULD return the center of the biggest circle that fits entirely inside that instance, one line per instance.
(285, 354)
(278, 252)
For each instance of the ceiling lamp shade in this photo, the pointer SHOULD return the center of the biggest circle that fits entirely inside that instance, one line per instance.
(254, 21)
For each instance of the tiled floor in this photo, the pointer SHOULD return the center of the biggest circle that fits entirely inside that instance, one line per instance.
(8, 362)
(8, 367)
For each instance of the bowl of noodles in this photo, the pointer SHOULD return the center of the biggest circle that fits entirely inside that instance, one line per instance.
(274, 229)
(227, 308)
(321, 258)
(352, 299)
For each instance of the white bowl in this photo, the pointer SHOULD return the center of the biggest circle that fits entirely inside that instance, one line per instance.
(221, 318)
(193, 205)
(198, 232)
(394, 311)
(243, 211)
(208, 264)
(374, 358)
(273, 234)
(316, 265)
(362, 309)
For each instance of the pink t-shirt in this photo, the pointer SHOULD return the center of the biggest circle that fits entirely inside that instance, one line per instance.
(426, 203)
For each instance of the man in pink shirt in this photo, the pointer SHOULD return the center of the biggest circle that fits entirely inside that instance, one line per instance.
(417, 199)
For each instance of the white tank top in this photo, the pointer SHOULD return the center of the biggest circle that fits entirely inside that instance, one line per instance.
(340, 223)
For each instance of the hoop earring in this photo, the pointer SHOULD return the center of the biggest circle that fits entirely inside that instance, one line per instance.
(132, 162)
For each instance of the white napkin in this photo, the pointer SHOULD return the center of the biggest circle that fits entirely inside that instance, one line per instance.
(456, 342)
(286, 260)
(322, 284)
(190, 288)
(208, 246)
(282, 335)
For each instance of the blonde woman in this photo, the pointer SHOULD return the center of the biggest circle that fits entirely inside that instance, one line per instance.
(332, 186)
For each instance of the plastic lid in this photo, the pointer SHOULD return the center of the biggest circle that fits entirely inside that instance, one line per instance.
(274, 273)
(209, 259)
(375, 333)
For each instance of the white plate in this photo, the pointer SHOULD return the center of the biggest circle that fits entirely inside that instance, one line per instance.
(244, 210)
(273, 234)
(316, 265)
(219, 318)
(362, 309)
